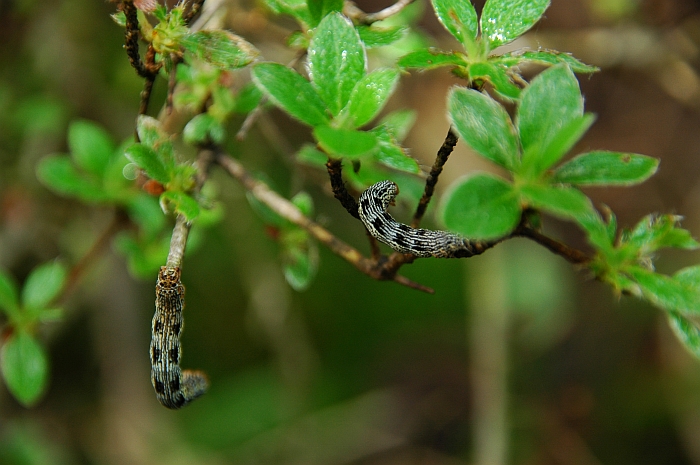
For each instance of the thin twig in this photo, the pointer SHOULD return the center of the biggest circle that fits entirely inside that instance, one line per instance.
(172, 82)
(131, 39)
(250, 119)
(178, 242)
(443, 154)
(147, 91)
(286, 209)
(119, 222)
(572, 255)
(335, 172)
(352, 11)
(146, 96)
(375, 252)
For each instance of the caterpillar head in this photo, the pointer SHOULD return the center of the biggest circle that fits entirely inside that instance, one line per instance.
(168, 276)
(386, 191)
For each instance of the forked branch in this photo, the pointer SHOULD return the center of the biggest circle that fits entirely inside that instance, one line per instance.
(378, 269)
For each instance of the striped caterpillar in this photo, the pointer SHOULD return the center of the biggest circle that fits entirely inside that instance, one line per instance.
(420, 242)
(174, 388)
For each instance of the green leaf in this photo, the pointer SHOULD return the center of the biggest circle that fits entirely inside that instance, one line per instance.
(303, 201)
(336, 61)
(321, 8)
(503, 21)
(294, 8)
(430, 58)
(672, 294)
(150, 131)
(498, 77)
(9, 300)
(686, 331)
(144, 257)
(344, 142)
(203, 128)
(90, 146)
(398, 123)
(688, 277)
(373, 36)
(395, 156)
(391, 154)
(291, 92)
(248, 98)
(50, 315)
(484, 125)
(601, 235)
(370, 95)
(459, 18)
(181, 203)
(562, 201)
(611, 226)
(481, 206)
(25, 367)
(654, 232)
(147, 214)
(152, 135)
(601, 168)
(210, 216)
(298, 40)
(562, 142)
(300, 265)
(37, 116)
(221, 49)
(115, 184)
(266, 214)
(149, 161)
(43, 285)
(223, 103)
(551, 101)
(59, 174)
(546, 57)
(310, 155)
(119, 18)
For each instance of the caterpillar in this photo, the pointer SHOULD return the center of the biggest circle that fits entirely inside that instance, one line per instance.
(420, 242)
(174, 387)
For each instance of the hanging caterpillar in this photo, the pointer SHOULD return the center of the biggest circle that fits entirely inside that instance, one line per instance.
(174, 387)
(420, 242)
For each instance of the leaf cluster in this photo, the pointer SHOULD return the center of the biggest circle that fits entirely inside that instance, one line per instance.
(23, 360)
(339, 97)
(549, 120)
(501, 22)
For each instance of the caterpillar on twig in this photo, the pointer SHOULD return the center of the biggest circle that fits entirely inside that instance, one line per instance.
(420, 242)
(174, 387)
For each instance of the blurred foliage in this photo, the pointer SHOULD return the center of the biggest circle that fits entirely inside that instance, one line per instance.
(351, 370)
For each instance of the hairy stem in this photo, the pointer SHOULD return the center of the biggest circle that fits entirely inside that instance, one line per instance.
(131, 39)
(335, 173)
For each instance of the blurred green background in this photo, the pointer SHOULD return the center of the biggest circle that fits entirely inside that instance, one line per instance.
(516, 359)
